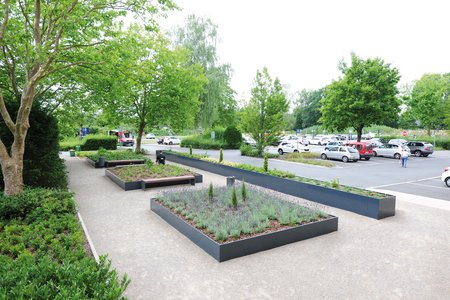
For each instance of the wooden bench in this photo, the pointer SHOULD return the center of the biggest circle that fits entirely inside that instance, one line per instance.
(190, 178)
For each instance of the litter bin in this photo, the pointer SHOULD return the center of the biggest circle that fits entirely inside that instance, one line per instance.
(77, 148)
(230, 181)
(72, 153)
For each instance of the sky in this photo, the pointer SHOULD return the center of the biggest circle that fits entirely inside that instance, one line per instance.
(302, 42)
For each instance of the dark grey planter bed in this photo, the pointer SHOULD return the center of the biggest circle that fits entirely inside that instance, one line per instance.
(360, 204)
(140, 184)
(234, 249)
(113, 163)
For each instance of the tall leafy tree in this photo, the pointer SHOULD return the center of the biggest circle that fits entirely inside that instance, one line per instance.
(147, 84)
(365, 95)
(263, 117)
(429, 100)
(199, 35)
(40, 41)
(307, 112)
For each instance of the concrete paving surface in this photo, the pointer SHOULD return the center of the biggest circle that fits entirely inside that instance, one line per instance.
(402, 257)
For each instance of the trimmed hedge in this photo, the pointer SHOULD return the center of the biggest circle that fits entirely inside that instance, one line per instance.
(91, 142)
(42, 251)
(233, 137)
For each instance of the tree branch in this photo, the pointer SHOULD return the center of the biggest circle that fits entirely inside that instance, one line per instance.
(37, 19)
(5, 115)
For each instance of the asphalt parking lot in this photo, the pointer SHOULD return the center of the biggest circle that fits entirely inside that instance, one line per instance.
(422, 176)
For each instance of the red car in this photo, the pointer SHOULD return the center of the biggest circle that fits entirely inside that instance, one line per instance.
(365, 149)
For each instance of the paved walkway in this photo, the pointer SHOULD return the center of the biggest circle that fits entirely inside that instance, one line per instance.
(403, 257)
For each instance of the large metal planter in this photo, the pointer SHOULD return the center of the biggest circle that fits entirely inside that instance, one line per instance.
(234, 249)
(360, 204)
(135, 185)
(114, 163)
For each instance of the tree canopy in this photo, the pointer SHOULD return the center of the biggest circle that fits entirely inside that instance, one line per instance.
(365, 95)
(307, 112)
(263, 117)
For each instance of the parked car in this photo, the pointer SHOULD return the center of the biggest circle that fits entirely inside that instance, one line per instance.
(319, 140)
(420, 148)
(150, 136)
(397, 141)
(446, 176)
(291, 147)
(365, 149)
(248, 140)
(332, 144)
(295, 139)
(343, 153)
(389, 150)
(171, 140)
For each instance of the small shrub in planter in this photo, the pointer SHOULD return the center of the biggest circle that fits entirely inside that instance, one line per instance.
(116, 155)
(139, 172)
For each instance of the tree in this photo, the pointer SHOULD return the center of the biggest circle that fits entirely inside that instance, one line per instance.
(40, 40)
(148, 84)
(307, 112)
(217, 105)
(429, 98)
(263, 117)
(365, 95)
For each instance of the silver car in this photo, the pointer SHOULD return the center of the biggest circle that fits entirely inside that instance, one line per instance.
(341, 153)
(390, 150)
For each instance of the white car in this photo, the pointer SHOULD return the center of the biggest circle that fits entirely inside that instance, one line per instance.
(319, 140)
(291, 147)
(171, 140)
(397, 141)
(248, 140)
(390, 150)
(446, 176)
(295, 139)
(150, 136)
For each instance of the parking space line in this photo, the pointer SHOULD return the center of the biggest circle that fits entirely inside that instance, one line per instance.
(404, 182)
(437, 187)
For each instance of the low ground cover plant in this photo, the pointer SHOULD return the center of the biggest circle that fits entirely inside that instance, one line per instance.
(43, 251)
(90, 142)
(310, 158)
(227, 215)
(289, 175)
(135, 173)
(115, 155)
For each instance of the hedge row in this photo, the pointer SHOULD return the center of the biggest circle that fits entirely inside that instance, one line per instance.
(203, 142)
(42, 251)
(91, 142)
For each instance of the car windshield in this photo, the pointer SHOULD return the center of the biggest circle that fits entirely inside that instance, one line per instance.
(352, 150)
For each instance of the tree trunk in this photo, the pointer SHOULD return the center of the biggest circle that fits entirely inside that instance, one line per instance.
(139, 137)
(13, 175)
(359, 133)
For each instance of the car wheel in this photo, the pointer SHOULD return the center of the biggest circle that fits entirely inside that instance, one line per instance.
(447, 181)
(367, 158)
(425, 155)
(319, 143)
(397, 155)
(170, 143)
(375, 153)
(323, 156)
(295, 151)
(345, 159)
(280, 151)
(418, 153)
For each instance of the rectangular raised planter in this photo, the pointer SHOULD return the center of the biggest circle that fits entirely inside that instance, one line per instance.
(135, 185)
(360, 204)
(114, 163)
(234, 249)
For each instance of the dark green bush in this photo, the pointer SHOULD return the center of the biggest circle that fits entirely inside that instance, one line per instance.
(202, 142)
(42, 251)
(94, 142)
(41, 162)
(117, 155)
(233, 137)
(247, 150)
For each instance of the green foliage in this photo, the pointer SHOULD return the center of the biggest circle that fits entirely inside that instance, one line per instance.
(266, 163)
(203, 142)
(210, 192)
(307, 112)
(310, 158)
(41, 162)
(429, 100)
(247, 150)
(190, 149)
(138, 172)
(42, 251)
(234, 200)
(116, 155)
(221, 155)
(263, 117)
(367, 94)
(243, 190)
(69, 143)
(94, 142)
(149, 163)
(335, 183)
(233, 137)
